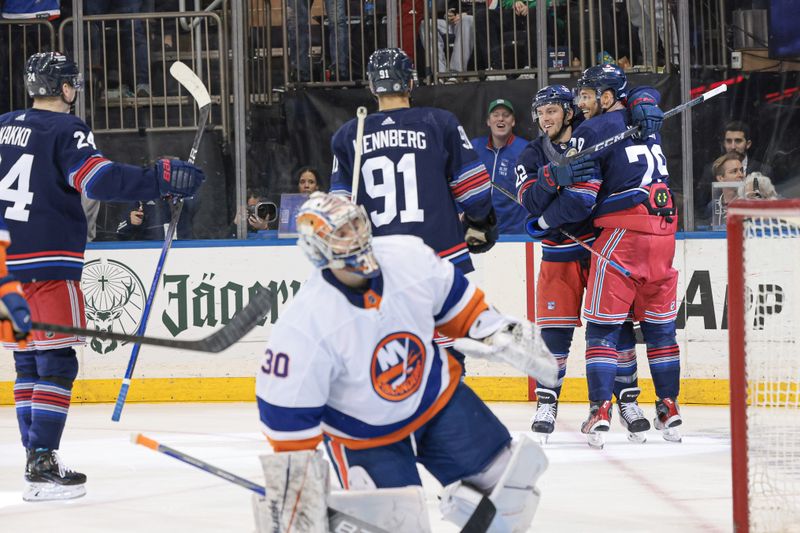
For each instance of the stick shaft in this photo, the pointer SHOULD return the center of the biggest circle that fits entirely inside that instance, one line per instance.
(633, 130)
(361, 116)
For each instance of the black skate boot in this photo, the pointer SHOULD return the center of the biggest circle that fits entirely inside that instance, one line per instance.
(631, 415)
(668, 418)
(544, 421)
(598, 423)
(48, 479)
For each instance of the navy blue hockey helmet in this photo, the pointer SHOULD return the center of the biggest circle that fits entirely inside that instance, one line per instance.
(605, 77)
(46, 72)
(390, 71)
(553, 94)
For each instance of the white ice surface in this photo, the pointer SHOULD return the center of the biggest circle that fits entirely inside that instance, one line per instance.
(625, 488)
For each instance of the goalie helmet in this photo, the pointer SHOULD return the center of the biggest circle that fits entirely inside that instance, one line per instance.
(603, 78)
(390, 71)
(46, 72)
(336, 233)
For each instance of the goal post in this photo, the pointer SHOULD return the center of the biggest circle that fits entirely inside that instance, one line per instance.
(764, 341)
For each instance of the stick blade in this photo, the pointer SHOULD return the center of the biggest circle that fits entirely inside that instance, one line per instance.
(189, 80)
(245, 320)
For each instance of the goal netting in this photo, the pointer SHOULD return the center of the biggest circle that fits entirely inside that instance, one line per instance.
(764, 331)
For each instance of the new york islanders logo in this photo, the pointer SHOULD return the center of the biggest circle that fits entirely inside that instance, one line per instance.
(398, 363)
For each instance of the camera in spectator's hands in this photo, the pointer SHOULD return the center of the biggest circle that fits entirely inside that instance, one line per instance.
(264, 210)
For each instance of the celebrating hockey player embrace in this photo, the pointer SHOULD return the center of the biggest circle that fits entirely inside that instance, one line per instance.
(353, 359)
(49, 159)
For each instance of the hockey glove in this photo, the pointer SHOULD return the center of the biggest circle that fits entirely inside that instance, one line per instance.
(481, 235)
(178, 178)
(551, 177)
(15, 315)
(517, 342)
(533, 228)
(646, 115)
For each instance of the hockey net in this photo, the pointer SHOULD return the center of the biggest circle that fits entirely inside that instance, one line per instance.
(764, 337)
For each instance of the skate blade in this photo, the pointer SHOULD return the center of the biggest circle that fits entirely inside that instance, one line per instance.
(543, 437)
(43, 492)
(671, 435)
(595, 440)
(637, 438)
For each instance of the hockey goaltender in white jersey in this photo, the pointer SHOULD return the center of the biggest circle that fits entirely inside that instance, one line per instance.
(352, 360)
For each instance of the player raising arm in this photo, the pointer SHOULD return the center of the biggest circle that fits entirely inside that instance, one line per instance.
(48, 159)
(636, 216)
(565, 265)
(353, 358)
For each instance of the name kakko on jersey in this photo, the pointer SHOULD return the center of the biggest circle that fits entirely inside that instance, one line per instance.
(16, 135)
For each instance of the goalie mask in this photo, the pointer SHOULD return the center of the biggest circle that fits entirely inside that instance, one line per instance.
(335, 233)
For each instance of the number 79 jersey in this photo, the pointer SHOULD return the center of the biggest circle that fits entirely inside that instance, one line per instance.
(45, 158)
(417, 164)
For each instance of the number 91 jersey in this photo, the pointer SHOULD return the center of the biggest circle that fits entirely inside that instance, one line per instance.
(45, 158)
(416, 164)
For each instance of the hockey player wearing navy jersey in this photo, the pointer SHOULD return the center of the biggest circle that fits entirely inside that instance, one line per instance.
(635, 213)
(564, 268)
(49, 159)
(353, 358)
(418, 168)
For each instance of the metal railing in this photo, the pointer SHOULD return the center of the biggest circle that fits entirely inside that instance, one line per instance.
(21, 38)
(128, 86)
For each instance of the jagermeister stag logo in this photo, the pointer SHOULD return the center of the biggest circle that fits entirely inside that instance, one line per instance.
(114, 298)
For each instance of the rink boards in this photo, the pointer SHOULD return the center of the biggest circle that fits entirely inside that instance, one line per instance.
(205, 283)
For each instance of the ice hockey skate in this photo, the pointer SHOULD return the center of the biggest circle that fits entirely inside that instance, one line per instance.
(48, 479)
(544, 421)
(598, 423)
(667, 419)
(631, 415)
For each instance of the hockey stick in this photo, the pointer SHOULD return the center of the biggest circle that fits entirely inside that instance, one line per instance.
(244, 321)
(338, 521)
(361, 116)
(624, 271)
(189, 80)
(560, 160)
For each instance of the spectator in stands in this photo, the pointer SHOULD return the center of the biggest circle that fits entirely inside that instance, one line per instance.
(499, 152)
(299, 39)
(455, 27)
(19, 10)
(148, 221)
(308, 180)
(260, 215)
(133, 58)
(727, 168)
(511, 23)
(735, 138)
(758, 186)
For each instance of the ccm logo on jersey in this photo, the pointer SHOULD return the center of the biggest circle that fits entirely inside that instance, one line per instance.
(398, 363)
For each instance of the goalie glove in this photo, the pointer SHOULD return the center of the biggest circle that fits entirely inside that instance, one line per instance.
(519, 343)
(481, 235)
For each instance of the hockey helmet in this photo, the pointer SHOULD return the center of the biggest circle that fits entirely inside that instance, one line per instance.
(46, 72)
(601, 78)
(336, 233)
(390, 71)
(553, 94)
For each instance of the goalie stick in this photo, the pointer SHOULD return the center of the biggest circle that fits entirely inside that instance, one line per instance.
(337, 520)
(188, 80)
(624, 271)
(244, 321)
(361, 116)
(560, 160)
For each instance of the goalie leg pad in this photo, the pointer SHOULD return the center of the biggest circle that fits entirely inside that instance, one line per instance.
(514, 495)
(296, 500)
(399, 510)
